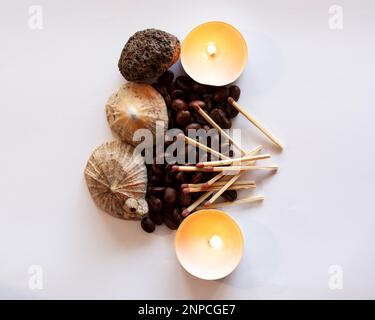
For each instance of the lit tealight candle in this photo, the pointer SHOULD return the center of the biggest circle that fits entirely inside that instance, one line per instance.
(209, 244)
(214, 53)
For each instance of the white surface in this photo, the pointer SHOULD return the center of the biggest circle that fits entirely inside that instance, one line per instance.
(312, 86)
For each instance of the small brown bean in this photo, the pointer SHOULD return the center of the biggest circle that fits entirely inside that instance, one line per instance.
(155, 180)
(230, 195)
(183, 118)
(192, 126)
(178, 94)
(185, 199)
(200, 103)
(184, 83)
(170, 223)
(181, 177)
(154, 204)
(157, 191)
(157, 218)
(166, 78)
(170, 195)
(147, 225)
(199, 88)
(220, 118)
(179, 104)
(235, 92)
(221, 94)
(191, 96)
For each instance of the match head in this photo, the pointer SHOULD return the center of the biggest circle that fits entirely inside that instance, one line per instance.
(207, 204)
(205, 185)
(195, 106)
(181, 136)
(230, 100)
(184, 185)
(199, 165)
(185, 213)
(208, 169)
(175, 168)
(185, 190)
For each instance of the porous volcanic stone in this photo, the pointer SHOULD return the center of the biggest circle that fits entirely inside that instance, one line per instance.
(148, 54)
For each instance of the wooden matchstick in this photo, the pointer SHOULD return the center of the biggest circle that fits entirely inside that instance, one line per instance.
(204, 196)
(218, 188)
(223, 169)
(220, 175)
(254, 122)
(231, 161)
(217, 127)
(226, 186)
(205, 148)
(236, 202)
(216, 184)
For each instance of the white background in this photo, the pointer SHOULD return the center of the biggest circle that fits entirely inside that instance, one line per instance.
(310, 85)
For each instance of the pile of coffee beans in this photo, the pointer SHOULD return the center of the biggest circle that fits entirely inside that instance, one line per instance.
(165, 198)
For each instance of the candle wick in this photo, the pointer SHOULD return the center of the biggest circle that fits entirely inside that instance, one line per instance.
(211, 49)
(215, 242)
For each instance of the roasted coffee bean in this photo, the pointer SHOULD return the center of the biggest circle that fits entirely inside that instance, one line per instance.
(197, 177)
(191, 96)
(166, 78)
(206, 127)
(208, 103)
(184, 83)
(155, 180)
(230, 195)
(154, 204)
(168, 100)
(221, 94)
(178, 94)
(183, 118)
(147, 224)
(192, 126)
(179, 104)
(199, 103)
(160, 88)
(169, 181)
(157, 191)
(181, 177)
(230, 111)
(184, 199)
(199, 88)
(157, 218)
(168, 208)
(170, 223)
(235, 92)
(220, 118)
(170, 195)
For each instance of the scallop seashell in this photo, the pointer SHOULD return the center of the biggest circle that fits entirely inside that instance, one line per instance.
(116, 177)
(136, 106)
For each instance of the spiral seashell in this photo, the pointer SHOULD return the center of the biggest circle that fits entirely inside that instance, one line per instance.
(117, 176)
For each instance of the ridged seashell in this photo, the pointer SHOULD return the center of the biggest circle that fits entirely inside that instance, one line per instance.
(136, 106)
(117, 179)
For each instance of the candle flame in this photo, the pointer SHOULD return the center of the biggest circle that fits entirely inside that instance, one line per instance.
(211, 49)
(216, 242)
